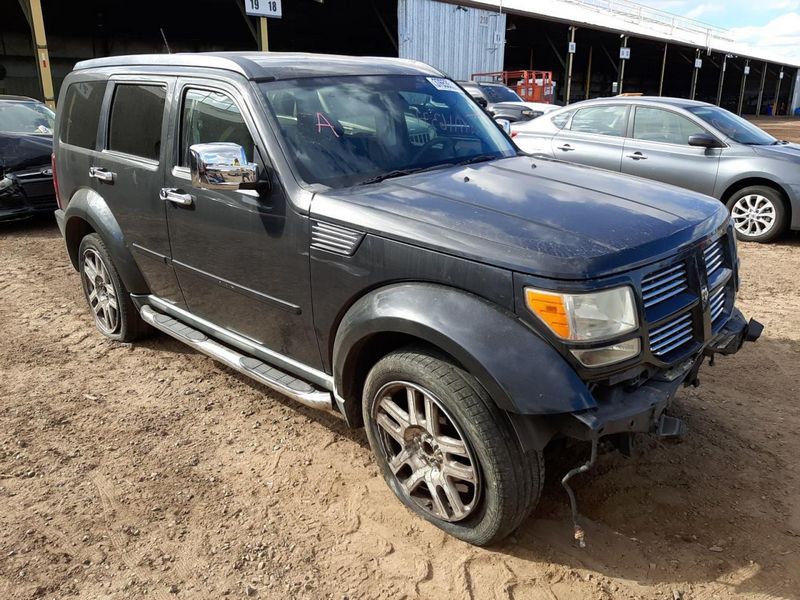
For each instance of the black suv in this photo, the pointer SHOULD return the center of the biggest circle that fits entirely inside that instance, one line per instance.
(357, 234)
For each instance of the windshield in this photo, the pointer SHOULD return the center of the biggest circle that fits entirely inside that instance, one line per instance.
(26, 117)
(500, 93)
(734, 127)
(342, 131)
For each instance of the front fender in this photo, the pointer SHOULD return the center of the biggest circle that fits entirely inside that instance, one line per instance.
(521, 372)
(87, 207)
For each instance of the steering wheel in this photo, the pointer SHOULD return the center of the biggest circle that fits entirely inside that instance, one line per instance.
(445, 142)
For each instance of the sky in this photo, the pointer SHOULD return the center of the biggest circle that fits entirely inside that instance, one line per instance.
(768, 24)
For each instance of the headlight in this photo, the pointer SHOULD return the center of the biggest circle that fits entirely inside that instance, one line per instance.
(587, 317)
(608, 355)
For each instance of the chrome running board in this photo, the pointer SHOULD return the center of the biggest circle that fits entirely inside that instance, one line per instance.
(280, 381)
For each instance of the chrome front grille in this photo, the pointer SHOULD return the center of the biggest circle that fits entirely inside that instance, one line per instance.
(713, 257)
(717, 304)
(671, 336)
(664, 284)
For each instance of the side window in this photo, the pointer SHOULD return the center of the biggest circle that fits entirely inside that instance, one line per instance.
(656, 125)
(81, 113)
(601, 120)
(561, 119)
(137, 111)
(212, 117)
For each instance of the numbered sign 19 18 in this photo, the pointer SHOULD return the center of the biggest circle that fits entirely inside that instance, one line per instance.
(264, 8)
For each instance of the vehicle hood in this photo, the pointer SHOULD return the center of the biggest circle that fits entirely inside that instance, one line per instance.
(537, 216)
(20, 151)
(787, 151)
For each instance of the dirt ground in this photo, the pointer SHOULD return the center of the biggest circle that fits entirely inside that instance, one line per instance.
(148, 470)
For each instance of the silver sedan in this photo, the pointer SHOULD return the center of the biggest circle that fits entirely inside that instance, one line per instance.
(690, 144)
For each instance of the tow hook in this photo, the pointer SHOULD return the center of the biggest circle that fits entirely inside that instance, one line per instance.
(578, 533)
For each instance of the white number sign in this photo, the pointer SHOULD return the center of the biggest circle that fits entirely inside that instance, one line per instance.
(625, 53)
(264, 8)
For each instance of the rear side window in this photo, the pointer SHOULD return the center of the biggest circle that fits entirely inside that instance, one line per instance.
(81, 113)
(601, 120)
(136, 115)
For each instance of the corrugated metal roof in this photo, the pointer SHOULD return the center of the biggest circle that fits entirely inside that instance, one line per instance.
(624, 16)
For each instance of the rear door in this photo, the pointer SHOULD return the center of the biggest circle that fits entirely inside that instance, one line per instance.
(658, 149)
(128, 173)
(595, 136)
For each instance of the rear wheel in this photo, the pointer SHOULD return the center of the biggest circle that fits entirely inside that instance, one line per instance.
(758, 213)
(114, 313)
(446, 450)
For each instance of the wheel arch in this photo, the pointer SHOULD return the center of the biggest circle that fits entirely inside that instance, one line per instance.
(88, 212)
(523, 374)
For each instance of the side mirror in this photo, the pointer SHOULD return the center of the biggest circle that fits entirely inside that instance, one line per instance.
(221, 166)
(504, 124)
(704, 140)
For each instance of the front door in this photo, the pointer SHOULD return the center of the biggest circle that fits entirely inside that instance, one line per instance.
(241, 257)
(659, 149)
(594, 136)
(128, 173)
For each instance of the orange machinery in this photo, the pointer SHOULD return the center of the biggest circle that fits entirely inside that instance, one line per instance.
(532, 86)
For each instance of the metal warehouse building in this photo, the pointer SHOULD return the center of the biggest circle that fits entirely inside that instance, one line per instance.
(668, 55)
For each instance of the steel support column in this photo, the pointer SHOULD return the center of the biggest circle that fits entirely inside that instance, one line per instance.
(663, 70)
(570, 58)
(694, 75)
(263, 34)
(775, 104)
(589, 72)
(33, 11)
(742, 87)
(722, 68)
(761, 89)
(622, 67)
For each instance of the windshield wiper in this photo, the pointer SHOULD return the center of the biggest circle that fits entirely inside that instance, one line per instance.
(477, 159)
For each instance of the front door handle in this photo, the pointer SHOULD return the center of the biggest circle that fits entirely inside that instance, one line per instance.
(637, 156)
(176, 196)
(102, 174)
(566, 148)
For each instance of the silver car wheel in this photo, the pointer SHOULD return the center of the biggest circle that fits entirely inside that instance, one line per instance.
(100, 291)
(753, 215)
(426, 451)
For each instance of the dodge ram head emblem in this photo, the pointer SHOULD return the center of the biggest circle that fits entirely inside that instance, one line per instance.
(704, 295)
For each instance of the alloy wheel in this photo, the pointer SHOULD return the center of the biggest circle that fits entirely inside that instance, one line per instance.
(425, 450)
(100, 291)
(753, 215)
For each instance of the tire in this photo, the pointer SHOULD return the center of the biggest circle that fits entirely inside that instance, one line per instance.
(758, 213)
(485, 482)
(109, 301)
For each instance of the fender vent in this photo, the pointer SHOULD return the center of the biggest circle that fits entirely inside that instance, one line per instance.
(333, 238)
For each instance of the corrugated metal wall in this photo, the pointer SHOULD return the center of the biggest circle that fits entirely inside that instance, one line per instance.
(454, 39)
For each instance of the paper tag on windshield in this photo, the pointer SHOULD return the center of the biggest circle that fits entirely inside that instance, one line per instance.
(440, 83)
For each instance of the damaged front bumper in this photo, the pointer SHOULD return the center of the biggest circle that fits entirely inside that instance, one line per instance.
(626, 409)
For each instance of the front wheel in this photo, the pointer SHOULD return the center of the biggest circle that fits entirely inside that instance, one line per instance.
(446, 450)
(758, 213)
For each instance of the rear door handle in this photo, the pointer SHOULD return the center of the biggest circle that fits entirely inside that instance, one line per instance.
(637, 156)
(566, 148)
(176, 196)
(102, 174)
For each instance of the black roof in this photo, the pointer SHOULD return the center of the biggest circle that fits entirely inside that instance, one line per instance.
(270, 65)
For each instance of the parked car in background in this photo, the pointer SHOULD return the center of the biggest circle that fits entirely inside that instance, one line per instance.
(464, 302)
(26, 145)
(691, 144)
(504, 103)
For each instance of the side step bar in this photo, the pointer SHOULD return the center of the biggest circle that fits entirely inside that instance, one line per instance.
(282, 382)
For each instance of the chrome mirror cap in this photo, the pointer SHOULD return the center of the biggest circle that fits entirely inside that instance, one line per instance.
(504, 124)
(221, 166)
